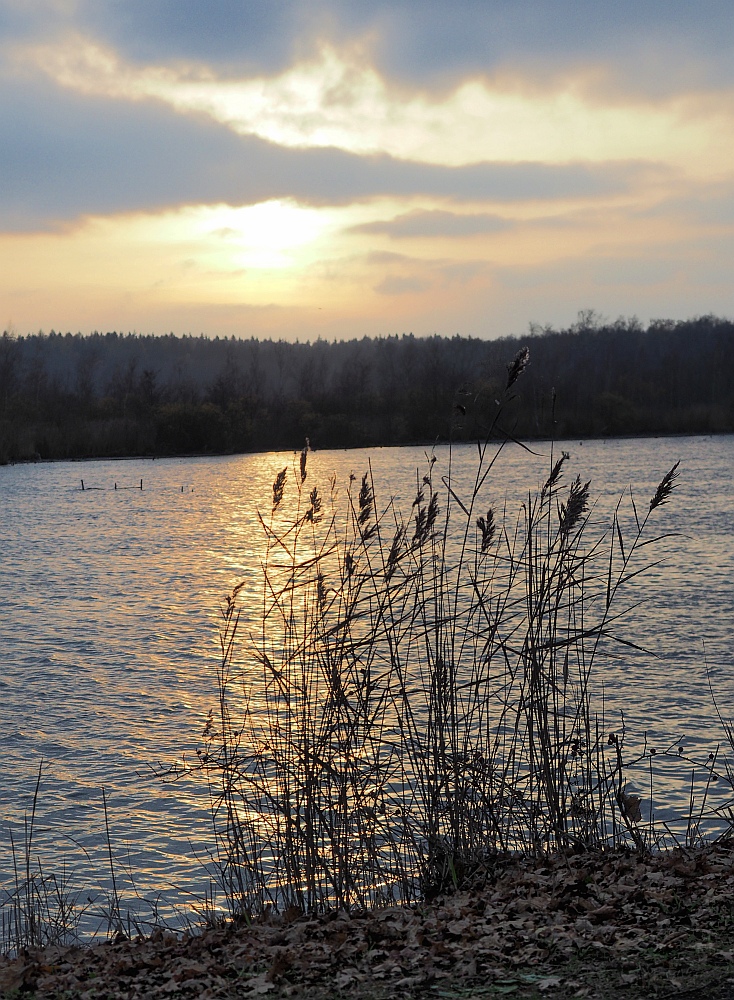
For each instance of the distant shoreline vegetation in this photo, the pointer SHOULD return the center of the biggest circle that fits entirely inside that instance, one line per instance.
(65, 396)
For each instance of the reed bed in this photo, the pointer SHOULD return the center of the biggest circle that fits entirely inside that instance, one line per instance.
(417, 698)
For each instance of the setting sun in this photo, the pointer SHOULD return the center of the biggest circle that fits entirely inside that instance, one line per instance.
(268, 235)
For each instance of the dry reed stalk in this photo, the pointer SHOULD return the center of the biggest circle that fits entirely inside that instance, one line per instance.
(42, 908)
(418, 694)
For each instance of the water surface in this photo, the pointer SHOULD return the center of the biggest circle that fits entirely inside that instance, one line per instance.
(109, 617)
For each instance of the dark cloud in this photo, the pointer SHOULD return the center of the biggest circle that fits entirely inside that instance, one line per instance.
(436, 224)
(22, 21)
(256, 35)
(15, 21)
(659, 45)
(66, 155)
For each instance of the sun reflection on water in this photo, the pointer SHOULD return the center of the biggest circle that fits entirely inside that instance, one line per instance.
(110, 628)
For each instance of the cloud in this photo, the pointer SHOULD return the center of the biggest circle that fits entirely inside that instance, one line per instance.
(67, 155)
(258, 37)
(410, 275)
(659, 46)
(598, 271)
(707, 204)
(436, 223)
(396, 285)
(338, 100)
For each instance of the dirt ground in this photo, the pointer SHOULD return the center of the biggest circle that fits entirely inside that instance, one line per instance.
(602, 926)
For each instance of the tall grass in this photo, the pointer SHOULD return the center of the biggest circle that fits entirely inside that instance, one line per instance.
(417, 695)
(41, 908)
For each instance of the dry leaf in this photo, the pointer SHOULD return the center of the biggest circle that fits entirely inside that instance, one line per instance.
(550, 982)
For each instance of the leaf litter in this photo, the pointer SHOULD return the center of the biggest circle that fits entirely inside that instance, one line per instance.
(595, 925)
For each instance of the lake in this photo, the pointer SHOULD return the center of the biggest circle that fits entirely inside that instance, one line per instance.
(109, 631)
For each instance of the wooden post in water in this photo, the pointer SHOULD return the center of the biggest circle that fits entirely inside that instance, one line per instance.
(82, 482)
(141, 484)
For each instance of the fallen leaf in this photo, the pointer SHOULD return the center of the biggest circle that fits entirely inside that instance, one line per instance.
(548, 983)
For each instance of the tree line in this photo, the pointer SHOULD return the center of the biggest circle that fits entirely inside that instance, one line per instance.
(65, 396)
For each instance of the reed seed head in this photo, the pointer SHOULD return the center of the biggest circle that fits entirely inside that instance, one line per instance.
(365, 501)
(321, 590)
(304, 457)
(432, 512)
(279, 487)
(575, 507)
(517, 366)
(425, 518)
(555, 475)
(487, 528)
(666, 487)
(316, 504)
(394, 554)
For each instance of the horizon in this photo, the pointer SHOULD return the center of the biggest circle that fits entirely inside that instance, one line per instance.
(587, 321)
(317, 171)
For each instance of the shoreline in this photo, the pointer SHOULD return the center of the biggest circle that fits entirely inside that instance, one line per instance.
(651, 435)
(601, 925)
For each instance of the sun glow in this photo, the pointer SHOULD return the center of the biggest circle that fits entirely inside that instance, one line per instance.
(128, 265)
(311, 271)
(267, 235)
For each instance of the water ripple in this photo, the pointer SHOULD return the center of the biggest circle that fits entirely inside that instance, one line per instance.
(108, 627)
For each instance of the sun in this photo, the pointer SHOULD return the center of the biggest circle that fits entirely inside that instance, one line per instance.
(267, 235)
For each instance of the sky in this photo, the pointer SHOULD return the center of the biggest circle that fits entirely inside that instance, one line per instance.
(311, 168)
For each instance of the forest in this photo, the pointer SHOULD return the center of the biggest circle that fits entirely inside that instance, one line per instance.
(68, 396)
